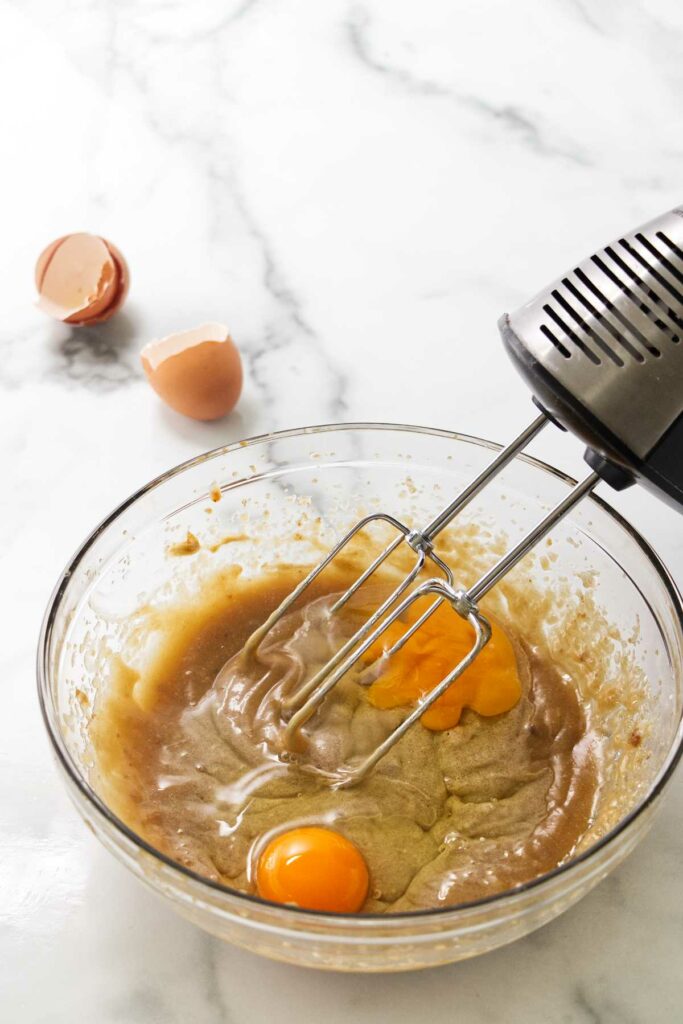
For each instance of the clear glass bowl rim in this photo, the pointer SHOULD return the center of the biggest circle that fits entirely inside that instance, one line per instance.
(413, 916)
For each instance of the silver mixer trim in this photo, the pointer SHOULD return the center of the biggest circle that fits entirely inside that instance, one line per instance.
(611, 332)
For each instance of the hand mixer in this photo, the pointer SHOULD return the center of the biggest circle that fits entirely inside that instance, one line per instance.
(602, 351)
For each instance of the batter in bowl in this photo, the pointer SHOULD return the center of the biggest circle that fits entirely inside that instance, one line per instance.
(497, 788)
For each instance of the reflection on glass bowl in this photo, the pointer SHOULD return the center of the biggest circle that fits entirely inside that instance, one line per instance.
(330, 471)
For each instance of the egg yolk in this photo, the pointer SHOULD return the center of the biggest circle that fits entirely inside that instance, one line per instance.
(490, 685)
(313, 868)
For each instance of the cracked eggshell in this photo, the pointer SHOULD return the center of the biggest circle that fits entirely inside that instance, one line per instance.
(198, 372)
(81, 279)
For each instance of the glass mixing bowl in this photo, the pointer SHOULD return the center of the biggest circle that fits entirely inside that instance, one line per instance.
(274, 488)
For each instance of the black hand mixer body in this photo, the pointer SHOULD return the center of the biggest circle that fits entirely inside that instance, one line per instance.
(602, 351)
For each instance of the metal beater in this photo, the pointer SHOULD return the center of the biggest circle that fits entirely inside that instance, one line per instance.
(602, 351)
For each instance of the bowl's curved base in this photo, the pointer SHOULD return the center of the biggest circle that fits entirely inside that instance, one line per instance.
(380, 945)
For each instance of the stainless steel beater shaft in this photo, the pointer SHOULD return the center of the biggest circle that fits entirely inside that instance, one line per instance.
(307, 699)
(315, 689)
(464, 602)
(420, 541)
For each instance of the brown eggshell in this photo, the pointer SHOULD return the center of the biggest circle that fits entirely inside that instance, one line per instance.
(124, 276)
(198, 372)
(81, 279)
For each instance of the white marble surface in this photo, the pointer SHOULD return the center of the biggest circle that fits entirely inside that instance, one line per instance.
(354, 188)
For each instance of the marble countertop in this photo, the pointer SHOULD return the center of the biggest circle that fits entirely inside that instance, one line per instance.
(355, 188)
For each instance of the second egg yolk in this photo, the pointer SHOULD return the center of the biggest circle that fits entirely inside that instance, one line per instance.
(313, 868)
(490, 685)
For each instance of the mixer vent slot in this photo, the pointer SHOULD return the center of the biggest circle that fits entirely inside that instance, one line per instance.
(675, 249)
(585, 318)
(604, 322)
(591, 330)
(567, 330)
(656, 307)
(658, 254)
(665, 282)
(625, 321)
(562, 349)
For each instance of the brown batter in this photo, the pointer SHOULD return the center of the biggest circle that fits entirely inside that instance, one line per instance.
(185, 758)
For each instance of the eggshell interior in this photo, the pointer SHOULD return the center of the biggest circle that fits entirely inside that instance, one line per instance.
(79, 278)
(157, 351)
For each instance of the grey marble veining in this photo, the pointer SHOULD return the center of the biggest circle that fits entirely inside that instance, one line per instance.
(504, 116)
(359, 190)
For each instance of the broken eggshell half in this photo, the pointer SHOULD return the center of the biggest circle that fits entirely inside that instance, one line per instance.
(197, 372)
(81, 279)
